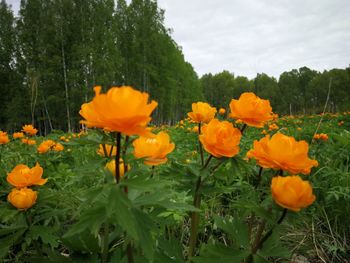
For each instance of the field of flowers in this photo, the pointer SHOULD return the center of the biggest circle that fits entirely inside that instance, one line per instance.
(237, 185)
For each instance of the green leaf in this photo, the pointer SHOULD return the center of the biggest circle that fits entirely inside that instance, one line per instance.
(237, 230)
(213, 253)
(46, 234)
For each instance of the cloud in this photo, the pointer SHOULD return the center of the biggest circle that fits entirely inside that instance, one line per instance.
(248, 37)
(253, 36)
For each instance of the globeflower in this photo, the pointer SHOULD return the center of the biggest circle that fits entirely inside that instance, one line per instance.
(46, 146)
(251, 110)
(29, 130)
(28, 141)
(282, 152)
(110, 166)
(18, 135)
(154, 149)
(23, 176)
(220, 138)
(321, 136)
(58, 147)
(23, 198)
(4, 138)
(222, 111)
(202, 112)
(121, 109)
(292, 192)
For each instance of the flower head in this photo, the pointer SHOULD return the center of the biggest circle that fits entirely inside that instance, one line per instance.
(23, 198)
(220, 138)
(251, 110)
(110, 166)
(46, 146)
(18, 135)
(202, 112)
(292, 192)
(154, 149)
(222, 111)
(121, 109)
(29, 130)
(58, 147)
(23, 176)
(282, 152)
(4, 138)
(28, 141)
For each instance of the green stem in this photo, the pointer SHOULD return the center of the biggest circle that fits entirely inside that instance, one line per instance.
(129, 253)
(105, 243)
(200, 145)
(195, 220)
(117, 158)
(243, 128)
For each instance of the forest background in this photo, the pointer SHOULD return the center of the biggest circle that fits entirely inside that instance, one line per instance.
(55, 51)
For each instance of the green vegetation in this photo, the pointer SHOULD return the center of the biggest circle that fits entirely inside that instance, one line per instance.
(55, 52)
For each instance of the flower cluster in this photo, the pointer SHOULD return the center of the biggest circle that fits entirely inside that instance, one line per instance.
(321, 136)
(22, 177)
(50, 145)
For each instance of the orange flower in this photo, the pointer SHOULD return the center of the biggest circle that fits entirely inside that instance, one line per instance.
(282, 152)
(321, 136)
(110, 166)
(45, 146)
(292, 192)
(23, 176)
(4, 138)
(28, 141)
(154, 149)
(273, 127)
(220, 138)
(58, 147)
(195, 129)
(121, 109)
(110, 149)
(29, 130)
(222, 111)
(202, 112)
(252, 110)
(18, 135)
(23, 198)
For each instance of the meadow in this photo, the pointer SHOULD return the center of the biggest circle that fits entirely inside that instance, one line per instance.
(208, 188)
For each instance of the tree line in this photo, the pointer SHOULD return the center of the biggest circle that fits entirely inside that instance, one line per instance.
(55, 51)
(299, 91)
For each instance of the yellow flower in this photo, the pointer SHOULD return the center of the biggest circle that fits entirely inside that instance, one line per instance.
(222, 111)
(110, 166)
(4, 137)
(220, 138)
(46, 146)
(282, 152)
(251, 110)
(292, 192)
(23, 176)
(58, 147)
(273, 127)
(121, 109)
(23, 198)
(17, 135)
(111, 150)
(28, 141)
(202, 112)
(154, 149)
(29, 130)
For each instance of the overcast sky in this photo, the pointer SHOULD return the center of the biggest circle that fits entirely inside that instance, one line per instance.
(247, 37)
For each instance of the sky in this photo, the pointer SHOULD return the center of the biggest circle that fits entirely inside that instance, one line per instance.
(247, 37)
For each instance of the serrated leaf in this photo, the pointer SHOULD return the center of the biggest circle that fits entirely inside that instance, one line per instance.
(212, 253)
